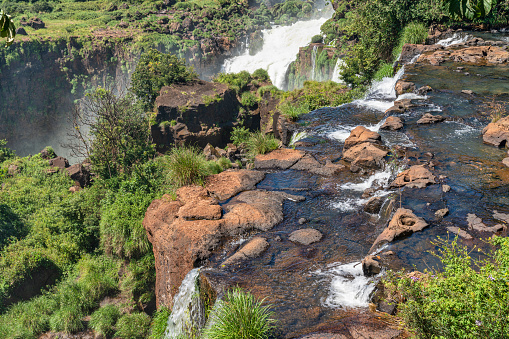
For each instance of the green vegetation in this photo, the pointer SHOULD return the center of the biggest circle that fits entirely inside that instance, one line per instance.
(104, 319)
(7, 28)
(133, 326)
(261, 75)
(470, 9)
(386, 70)
(468, 299)
(159, 323)
(239, 135)
(236, 81)
(248, 100)
(260, 143)
(413, 33)
(293, 112)
(155, 70)
(186, 165)
(240, 316)
(317, 39)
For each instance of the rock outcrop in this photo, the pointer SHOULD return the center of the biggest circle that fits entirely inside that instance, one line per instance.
(252, 249)
(392, 123)
(416, 176)
(403, 87)
(475, 223)
(310, 164)
(429, 118)
(497, 133)
(360, 135)
(226, 184)
(403, 223)
(365, 155)
(279, 159)
(473, 55)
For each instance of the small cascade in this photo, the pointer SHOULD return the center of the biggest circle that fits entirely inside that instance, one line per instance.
(457, 38)
(336, 76)
(313, 62)
(188, 313)
(280, 47)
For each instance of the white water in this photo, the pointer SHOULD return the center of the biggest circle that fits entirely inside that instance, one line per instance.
(344, 131)
(188, 312)
(313, 62)
(349, 287)
(380, 178)
(280, 47)
(336, 77)
(457, 38)
(297, 136)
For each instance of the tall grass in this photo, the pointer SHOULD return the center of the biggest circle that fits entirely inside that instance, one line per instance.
(293, 111)
(413, 33)
(186, 165)
(240, 316)
(104, 319)
(385, 71)
(260, 143)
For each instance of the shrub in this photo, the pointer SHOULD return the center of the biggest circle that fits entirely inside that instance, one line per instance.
(239, 135)
(385, 71)
(186, 165)
(317, 39)
(468, 299)
(248, 100)
(240, 316)
(133, 326)
(269, 88)
(260, 143)
(104, 319)
(261, 74)
(159, 323)
(236, 81)
(155, 70)
(293, 111)
(5, 153)
(413, 33)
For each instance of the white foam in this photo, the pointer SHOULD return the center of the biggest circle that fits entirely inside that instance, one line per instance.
(412, 96)
(455, 39)
(336, 76)
(349, 204)
(380, 178)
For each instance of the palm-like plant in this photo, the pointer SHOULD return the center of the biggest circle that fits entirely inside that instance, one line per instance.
(470, 9)
(7, 28)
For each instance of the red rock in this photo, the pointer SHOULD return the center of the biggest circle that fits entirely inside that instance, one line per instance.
(361, 134)
(365, 155)
(226, 184)
(278, 159)
(305, 236)
(392, 123)
(416, 176)
(252, 249)
(497, 133)
(404, 87)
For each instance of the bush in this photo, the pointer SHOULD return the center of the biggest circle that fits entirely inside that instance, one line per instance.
(133, 326)
(468, 299)
(104, 319)
(155, 70)
(385, 71)
(240, 135)
(240, 316)
(413, 33)
(236, 81)
(186, 166)
(5, 153)
(293, 111)
(159, 323)
(269, 88)
(260, 143)
(317, 39)
(261, 74)
(248, 100)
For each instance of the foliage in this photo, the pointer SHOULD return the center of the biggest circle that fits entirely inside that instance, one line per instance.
(104, 319)
(317, 39)
(261, 74)
(261, 143)
(269, 88)
(248, 100)
(468, 299)
(159, 323)
(293, 112)
(236, 81)
(186, 166)
(7, 28)
(470, 9)
(385, 71)
(240, 135)
(413, 33)
(155, 70)
(240, 316)
(5, 153)
(112, 132)
(133, 326)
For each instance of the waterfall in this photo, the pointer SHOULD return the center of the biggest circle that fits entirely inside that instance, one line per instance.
(188, 313)
(313, 62)
(336, 77)
(280, 47)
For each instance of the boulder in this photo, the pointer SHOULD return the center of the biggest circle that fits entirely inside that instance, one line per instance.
(310, 164)
(59, 162)
(252, 249)
(36, 23)
(396, 109)
(446, 188)
(210, 152)
(475, 223)
(374, 205)
(424, 90)
(441, 213)
(497, 133)
(416, 176)
(505, 161)
(226, 184)
(403, 87)
(403, 223)
(371, 266)
(360, 135)
(21, 31)
(468, 54)
(200, 210)
(305, 236)
(278, 159)
(410, 51)
(429, 118)
(392, 123)
(365, 155)
(79, 174)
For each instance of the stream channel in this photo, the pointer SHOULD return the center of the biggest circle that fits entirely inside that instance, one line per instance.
(321, 287)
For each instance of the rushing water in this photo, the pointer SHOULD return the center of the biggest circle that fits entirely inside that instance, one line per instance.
(280, 47)
(313, 62)
(336, 76)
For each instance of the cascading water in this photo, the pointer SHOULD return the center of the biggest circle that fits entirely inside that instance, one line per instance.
(336, 77)
(188, 313)
(457, 38)
(280, 47)
(313, 62)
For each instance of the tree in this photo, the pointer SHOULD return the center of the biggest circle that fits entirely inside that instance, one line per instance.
(155, 70)
(470, 9)
(7, 28)
(112, 132)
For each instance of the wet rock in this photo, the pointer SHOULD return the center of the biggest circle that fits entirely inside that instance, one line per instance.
(374, 205)
(368, 192)
(441, 213)
(360, 135)
(365, 155)
(467, 91)
(392, 123)
(302, 221)
(424, 90)
(278, 159)
(396, 109)
(310, 164)
(404, 103)
(403, 223)
(505, 161)
(59, 162)
(80, 174)
(227, 184)
(459, 232)
(429, 118)
(410, 51)
(501, 216)
(371, 266)
(416, 176)
(497, 133)
(475, 223)
(256, 209)
(21, 31)
(474, 55)
(403, 87)
(446, 188)
(306, 236)
(252, 249)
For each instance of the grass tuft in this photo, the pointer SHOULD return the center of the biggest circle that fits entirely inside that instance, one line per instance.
(260, 143)
(104, 319)
(186, 165)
